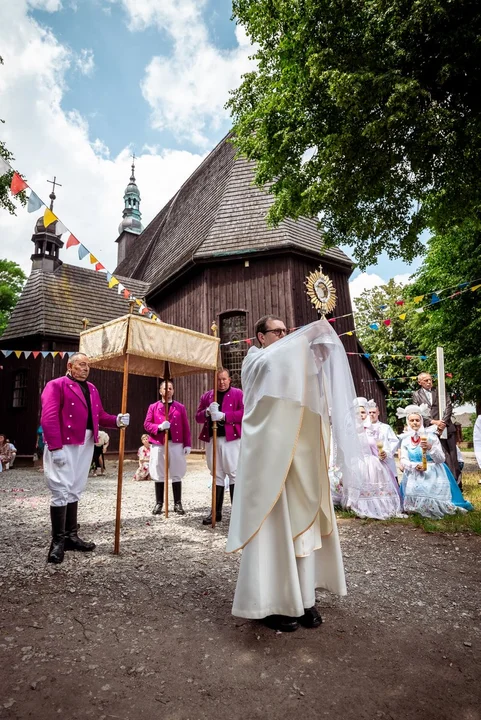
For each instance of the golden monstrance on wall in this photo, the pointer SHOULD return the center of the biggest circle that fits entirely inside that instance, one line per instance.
(321, 291)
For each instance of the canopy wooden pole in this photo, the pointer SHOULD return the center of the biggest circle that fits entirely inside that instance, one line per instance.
(166, 446)
(441, 387)
(214, 443)
(123, 410)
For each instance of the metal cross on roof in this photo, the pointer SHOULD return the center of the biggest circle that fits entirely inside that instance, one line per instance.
(52, 195)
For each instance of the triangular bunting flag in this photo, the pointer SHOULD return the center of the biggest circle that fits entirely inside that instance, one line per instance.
(382, 307)
(463, 285)
(449, 375)
(409, 357)
(34, 202)
(248, 341)
(49, 217)
(475, 287)
(138, 302)
(27, 353)
(82, 251)
(61, 354)
(120, 289)
(60, 228)
(93, 259)
(109, 276)
(367, 355)
(399, 302)
(423, 357)
(126, 294)
(36, 353)
(113, 282)
(4, 166)
(374, 326)
(18, 353)
(45, 353)
(99, 266)
(70, 353)
(72, 241)
(17, 184)
(54, 354)
(387, 321)
(7, 353)
(434, 299)
(418, 298)
(403, 317)
(349, 333)
(419, 310)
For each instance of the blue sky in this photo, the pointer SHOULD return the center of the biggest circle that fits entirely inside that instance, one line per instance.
(86, 82)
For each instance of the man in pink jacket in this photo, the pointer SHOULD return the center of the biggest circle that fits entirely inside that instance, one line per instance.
(176, 426)
(228, 412)
(71, 415)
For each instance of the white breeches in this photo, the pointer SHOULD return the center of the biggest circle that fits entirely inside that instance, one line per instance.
(68, 482)
(227, 459)
(177, 462)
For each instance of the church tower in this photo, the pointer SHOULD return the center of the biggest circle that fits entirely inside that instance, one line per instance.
(131, 224)
(47, 242)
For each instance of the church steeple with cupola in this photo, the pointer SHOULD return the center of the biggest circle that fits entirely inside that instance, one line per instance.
(131, 224)
(47, 241)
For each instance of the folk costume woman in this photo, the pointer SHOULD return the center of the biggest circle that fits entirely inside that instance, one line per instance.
(428, 488)
(143, 471)
(379, 496)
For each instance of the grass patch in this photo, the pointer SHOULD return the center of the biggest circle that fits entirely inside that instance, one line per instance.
(461, 522)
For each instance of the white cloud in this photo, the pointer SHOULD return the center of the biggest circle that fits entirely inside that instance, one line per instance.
(188, 90)
(48, 5)
(85, 61)
(47, 141)
(364, 281)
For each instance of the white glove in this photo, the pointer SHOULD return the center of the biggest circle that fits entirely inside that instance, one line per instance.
(213, 408)
(59, 457)
(165, 425)
(187, 450)
(123, 420)
(217, 416)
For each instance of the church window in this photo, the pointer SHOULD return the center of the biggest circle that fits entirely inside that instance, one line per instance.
(20, 389)
(233, 326)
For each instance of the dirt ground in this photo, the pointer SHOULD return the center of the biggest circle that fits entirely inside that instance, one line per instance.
(149, 633)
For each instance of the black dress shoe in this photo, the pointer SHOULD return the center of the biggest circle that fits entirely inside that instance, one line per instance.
(283, 623)
(157, 509)
(311, 618)
(178, 508)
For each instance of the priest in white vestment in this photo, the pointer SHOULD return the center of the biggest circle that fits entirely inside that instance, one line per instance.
(283, 518)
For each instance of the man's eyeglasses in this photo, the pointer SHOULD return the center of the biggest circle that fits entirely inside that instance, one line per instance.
(277, 331)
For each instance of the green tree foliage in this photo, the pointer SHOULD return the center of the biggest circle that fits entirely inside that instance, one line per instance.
(375, 306)
(455, 324)
(12, 279)
(366, 114)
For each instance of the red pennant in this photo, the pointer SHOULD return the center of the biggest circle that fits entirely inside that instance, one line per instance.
(126, 294)
(61, 354)
(399, 302)
(99, 266)
(387, 321)
(449, 375)
(332, 320)
(17, 184)
(145, 311)
(72, 240)
(248, 341)
(36, 353)
(409, 357)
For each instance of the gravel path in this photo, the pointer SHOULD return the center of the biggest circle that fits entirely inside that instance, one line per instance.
(149, 634)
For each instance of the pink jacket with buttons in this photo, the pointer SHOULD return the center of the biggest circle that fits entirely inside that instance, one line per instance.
(179, 425)
(232, 407)
(65, 413)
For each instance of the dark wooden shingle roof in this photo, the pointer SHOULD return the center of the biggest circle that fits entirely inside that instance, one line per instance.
(54, 303)
(218, 212)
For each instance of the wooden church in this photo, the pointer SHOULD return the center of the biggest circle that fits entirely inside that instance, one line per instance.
(208, 256)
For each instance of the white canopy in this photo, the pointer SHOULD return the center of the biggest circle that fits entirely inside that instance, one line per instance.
(150, 345)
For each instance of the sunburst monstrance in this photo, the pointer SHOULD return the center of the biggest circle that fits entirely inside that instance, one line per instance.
(321, 291)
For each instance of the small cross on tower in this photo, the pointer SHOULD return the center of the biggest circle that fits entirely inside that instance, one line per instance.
(52, 195)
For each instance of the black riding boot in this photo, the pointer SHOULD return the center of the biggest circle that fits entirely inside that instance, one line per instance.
(72, 540)
(57, 546)
(231, 492)
(177, 490)
(219, 501)
(159, 498)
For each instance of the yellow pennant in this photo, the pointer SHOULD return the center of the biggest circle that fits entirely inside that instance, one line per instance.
(475, 287)
(113, 282)
(49, 217)
(93, 259)
(139, 302)
(18, 353)
(418, 298)
(54, 354)
(403, 316)
(350, 333)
